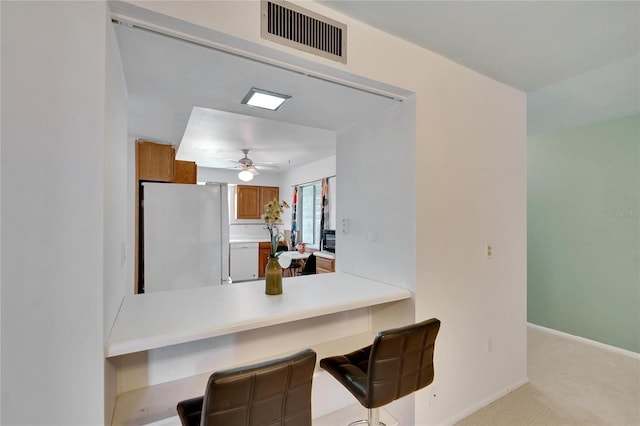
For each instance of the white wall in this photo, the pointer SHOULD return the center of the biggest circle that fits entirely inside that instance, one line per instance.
(53, 208)
(469, 189)
(118, 241)
(118, 244)
(0, 221)
(377, 197)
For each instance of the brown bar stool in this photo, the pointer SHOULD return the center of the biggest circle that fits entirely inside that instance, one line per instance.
(275, 392)
(399, 362)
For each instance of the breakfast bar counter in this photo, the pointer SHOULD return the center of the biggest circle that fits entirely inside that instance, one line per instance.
(155, 320)
(163, 346)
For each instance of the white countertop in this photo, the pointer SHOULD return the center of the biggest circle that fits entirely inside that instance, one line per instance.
(248, 240)
(154, 320)
(294, 255)
(325, 254)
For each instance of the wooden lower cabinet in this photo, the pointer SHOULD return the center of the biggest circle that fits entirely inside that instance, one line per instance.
(263, 258)
(324, 265)
(264, 250)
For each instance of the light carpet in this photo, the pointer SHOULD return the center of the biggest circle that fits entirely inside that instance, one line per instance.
(571, 383)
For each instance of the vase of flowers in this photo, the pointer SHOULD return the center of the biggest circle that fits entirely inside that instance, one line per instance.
(273, 272)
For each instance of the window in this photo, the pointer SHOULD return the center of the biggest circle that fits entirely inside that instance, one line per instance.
(309, 210)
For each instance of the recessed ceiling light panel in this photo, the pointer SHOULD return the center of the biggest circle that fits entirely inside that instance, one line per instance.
(265, 99)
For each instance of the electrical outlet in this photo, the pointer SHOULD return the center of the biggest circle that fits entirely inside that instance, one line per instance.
(488, 251)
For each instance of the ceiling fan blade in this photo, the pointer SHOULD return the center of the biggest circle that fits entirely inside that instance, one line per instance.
(245, 163)
(265, 167)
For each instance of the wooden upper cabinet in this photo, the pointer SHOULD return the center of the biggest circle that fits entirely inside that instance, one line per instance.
(250, 200)
(155, 162)
(185, 172)
(268, 193)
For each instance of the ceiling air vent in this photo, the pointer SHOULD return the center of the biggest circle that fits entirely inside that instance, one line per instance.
(293, 26)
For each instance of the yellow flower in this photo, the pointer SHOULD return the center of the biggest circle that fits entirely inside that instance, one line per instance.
(272, 214)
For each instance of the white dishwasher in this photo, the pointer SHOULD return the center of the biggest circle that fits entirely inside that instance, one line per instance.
(244, 261)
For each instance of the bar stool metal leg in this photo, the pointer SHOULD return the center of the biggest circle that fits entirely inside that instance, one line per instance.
(374, 419)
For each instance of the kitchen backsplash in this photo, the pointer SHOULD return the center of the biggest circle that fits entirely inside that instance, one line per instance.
(257, 230)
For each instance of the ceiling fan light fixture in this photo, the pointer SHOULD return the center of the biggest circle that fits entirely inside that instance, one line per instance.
(265, 99)
(245, 175)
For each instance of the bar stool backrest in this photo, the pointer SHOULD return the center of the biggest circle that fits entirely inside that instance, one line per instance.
(400, 362)
(276, 392)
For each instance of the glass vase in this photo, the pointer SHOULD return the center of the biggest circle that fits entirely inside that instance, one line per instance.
(273, 277)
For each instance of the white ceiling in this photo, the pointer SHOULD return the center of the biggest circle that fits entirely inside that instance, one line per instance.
(579, 62)
(212, 136)
(166, 78)
(525, 44)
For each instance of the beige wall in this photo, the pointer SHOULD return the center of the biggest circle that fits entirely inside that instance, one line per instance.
(470, 190)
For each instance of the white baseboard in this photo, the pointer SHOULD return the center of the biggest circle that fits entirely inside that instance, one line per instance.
(590, 342)
(480, 405)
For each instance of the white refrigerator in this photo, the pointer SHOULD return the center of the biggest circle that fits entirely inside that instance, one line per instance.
(186, 235)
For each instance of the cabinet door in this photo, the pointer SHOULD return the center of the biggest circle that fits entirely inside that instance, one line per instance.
(155, 162)
(268, 193)
(324, 266)
(263, 258)
(185, 172)
(248, 202)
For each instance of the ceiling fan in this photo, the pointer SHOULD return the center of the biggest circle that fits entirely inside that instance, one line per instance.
(246, 163)
(249, 169)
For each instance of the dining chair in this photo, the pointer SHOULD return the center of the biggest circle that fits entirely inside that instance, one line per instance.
(309, 265)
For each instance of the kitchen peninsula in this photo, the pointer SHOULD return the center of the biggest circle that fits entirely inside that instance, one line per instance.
(164, 345)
